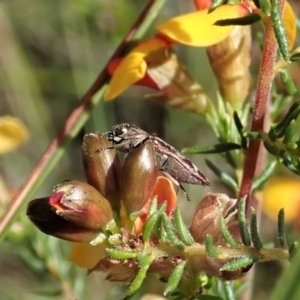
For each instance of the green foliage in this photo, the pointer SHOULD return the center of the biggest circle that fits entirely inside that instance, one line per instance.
(247, 20)
(182, 230)
(245, 235)
(235, 257)
(254, 234)
(174, 278)
(280, 31)
(226, 235)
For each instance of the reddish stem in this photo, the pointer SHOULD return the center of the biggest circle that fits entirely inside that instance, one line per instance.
(261, 110)
(266, 76)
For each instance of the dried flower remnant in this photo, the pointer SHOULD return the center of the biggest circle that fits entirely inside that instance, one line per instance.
(230, 61)
(208, 214)
(206, 221)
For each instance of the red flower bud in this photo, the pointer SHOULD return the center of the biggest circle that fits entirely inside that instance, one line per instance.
(75, 211)
(45, 219)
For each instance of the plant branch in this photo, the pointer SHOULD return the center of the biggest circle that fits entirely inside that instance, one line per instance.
(75, 121)
(261, 109)
(266, 76)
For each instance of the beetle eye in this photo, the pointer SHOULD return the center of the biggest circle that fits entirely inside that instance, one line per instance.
(121, 130)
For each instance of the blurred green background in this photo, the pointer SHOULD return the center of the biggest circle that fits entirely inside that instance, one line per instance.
(50, 53)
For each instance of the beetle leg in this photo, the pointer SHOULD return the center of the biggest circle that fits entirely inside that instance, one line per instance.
(103, 149)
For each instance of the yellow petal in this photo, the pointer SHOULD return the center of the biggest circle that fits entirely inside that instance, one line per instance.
(197, 28)
(289, 21)
(85, 255)
(282, 193)
(12, 133)
(149, 46)
(132, 68)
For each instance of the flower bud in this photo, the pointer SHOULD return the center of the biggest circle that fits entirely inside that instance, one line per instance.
(45, 219)
(82, 204)
(138, 177)
(207, 216)
(230, 61)
(101, 168)
(76, 211)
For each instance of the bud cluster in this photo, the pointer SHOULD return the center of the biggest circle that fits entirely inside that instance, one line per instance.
(112, 198)
(125, 215)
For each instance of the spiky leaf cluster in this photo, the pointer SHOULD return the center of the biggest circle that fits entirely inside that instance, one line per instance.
(167, 247)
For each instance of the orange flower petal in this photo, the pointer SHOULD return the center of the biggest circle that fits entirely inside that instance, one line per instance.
(289, 21)
(198, 29)
(132, 68)
(202, 4)
(164, 191)
(282, 193)
(85, 255)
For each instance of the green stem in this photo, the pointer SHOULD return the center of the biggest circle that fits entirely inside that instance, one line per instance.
(75, 121)
(226, 253)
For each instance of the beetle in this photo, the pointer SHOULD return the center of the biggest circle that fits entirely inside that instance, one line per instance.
(127, 137)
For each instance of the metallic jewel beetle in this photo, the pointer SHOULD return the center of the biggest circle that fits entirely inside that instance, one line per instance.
(127, 137)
